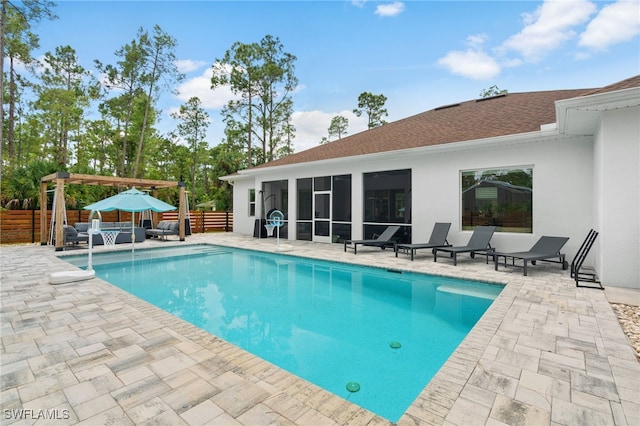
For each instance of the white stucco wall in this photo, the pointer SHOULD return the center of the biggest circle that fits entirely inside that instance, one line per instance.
(562, 188)
(242, 222)
(617, 201)
(561, 199)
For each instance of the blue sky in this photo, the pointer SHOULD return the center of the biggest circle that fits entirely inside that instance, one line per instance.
(419, 54)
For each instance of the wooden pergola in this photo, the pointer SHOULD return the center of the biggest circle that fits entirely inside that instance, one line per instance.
(62, 178)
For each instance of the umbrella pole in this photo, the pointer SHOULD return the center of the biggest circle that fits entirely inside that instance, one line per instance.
(133, 232)
(89, 262)
(93, 229)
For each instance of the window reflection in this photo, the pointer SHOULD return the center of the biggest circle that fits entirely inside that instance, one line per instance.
(499, 197)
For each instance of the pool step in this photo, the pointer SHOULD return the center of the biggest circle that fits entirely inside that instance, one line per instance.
(213, 250)
(463, 291)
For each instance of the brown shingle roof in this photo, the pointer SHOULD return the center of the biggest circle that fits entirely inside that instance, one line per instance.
(621, 85)
(509, 114)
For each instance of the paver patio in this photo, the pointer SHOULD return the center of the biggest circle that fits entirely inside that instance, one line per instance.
(545, 352)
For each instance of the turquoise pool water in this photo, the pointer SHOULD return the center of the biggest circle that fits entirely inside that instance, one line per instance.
(332, 324)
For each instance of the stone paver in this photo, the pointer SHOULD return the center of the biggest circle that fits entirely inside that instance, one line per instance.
(545, 352)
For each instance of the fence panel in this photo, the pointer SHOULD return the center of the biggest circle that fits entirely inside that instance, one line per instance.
(205, 221)
(23, 226)
(20, 226)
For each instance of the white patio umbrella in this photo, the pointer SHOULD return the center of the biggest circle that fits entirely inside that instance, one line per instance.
(131, 200)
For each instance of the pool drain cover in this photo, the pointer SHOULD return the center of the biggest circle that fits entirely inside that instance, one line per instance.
(353, 387)
(395, 345)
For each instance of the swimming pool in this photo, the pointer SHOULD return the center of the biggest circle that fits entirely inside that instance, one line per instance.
(372, 336)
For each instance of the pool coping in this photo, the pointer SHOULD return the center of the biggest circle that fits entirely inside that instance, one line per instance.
(545, 352)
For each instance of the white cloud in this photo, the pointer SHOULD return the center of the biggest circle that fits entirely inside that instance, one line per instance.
(617, 22)
(549, 27)
(390, 9)
(212, 100)
(312, 126)
(20, 67)
(200, 87)
(472, 63)
(477, 40)
(188, 65)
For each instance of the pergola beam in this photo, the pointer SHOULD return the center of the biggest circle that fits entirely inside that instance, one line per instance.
(83, 179)
(62, 178)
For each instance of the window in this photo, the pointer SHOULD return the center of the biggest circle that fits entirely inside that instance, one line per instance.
(305, 209)
(342, 198)
(387, 197)
(322, 183)
(252, 202)
(341, 226)
(387, 200)
(304, 231)
(500, 197)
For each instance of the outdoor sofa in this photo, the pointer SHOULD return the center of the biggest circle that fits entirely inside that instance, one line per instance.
(164, 229)
(124, 235)
(73, 237)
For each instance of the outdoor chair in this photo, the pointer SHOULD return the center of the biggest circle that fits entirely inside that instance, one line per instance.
(544, 249)
(73, 237)
(438, 239)
(478, 243)
(164, 229)
(382, 241)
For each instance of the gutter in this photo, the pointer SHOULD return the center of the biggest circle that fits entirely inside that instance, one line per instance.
(547, 132)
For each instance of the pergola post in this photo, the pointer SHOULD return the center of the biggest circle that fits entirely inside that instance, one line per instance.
(59, 213)
(182, 210)
(44, 235)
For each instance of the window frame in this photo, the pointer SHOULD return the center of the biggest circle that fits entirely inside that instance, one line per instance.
(252, 202)
(384, 203)
(497, 200)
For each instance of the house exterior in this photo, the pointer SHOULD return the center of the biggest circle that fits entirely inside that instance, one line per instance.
(556, 163)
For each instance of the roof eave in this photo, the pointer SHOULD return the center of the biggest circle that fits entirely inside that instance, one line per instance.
(402, 154)
(581, 115)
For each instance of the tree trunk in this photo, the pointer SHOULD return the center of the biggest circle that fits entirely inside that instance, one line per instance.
(3, 20)
(144, 129)
(11, 127)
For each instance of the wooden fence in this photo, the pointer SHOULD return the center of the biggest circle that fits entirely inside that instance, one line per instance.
(23, 226)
